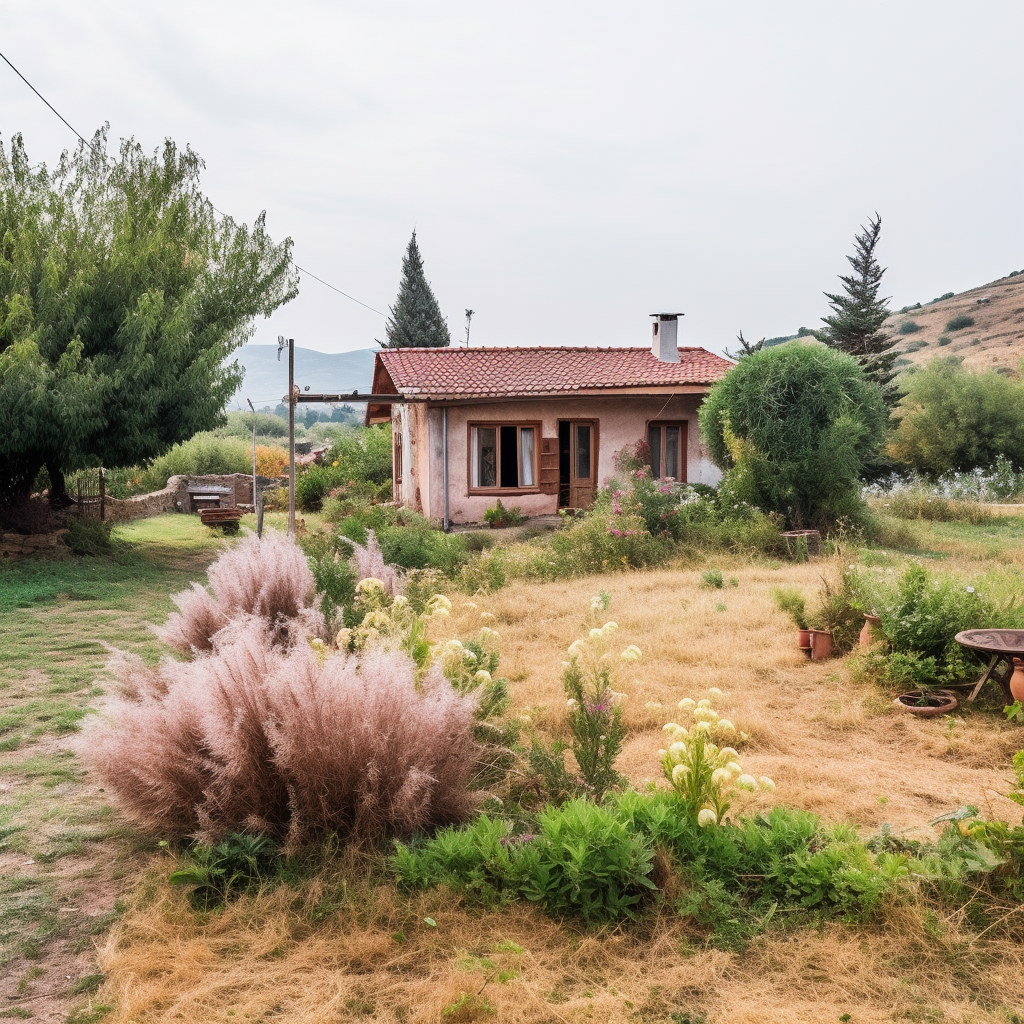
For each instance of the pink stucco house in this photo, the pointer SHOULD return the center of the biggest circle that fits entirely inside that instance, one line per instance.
(538, 427)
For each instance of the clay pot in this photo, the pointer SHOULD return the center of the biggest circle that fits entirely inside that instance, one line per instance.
(803, 640)
(821, 644)
(940, 702)
(871, 631)
(1017, 680)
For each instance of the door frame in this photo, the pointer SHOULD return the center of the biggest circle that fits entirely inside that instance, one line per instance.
(594, 425)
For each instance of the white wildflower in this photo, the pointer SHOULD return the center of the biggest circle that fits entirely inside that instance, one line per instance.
(669, 727)
(576, 648)
(707, 817)
(725, 725)
(676, 749)
(609, 627)
(571, 703)
(715, 692)
(679, 773)
(631, 653)
(729, 753)
(399, 603)
(652, 705)
(747, 782)
(370, 583)
(765, 783)
(483, 677)
(721, 777)
(705, 703)
(596, 634)
(735, 767)
(687, 703)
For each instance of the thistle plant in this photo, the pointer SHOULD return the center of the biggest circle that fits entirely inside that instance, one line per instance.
(595, 714)
(705, 776)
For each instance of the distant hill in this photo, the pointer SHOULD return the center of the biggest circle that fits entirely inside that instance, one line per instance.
(266, 379)
(984, 326)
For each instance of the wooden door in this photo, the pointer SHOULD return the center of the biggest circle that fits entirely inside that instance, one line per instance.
(578, 463)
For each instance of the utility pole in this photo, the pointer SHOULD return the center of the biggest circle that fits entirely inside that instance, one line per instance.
(292, 396)
(251, 406)
(469, 316)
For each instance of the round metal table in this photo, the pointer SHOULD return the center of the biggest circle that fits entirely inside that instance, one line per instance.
(1000, 646)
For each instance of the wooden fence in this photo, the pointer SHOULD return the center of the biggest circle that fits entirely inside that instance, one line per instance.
(91, 495)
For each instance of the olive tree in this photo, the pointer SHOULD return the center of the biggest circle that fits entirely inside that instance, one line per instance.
(793, 427)
(122, 294)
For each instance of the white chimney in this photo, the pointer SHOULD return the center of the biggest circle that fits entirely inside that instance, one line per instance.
(664, 337)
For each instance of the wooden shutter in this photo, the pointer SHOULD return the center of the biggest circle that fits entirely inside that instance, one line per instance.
(549, 465)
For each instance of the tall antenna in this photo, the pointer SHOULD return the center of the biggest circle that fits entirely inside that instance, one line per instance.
(469, 317)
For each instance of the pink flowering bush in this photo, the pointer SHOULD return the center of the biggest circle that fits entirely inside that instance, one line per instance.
(268, 730)
(266, 578)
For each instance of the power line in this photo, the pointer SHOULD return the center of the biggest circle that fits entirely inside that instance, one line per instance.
(85, 141)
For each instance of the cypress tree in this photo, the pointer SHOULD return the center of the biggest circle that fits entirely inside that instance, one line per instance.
(416, 320)
(859, 315)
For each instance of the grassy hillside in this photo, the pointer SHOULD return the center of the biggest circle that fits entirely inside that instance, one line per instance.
(995, 339)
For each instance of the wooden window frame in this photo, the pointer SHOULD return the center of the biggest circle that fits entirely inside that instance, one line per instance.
(397, 453)
(535, 425)
(684, 437)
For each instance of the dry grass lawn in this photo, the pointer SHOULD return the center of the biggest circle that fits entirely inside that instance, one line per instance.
(348, 947)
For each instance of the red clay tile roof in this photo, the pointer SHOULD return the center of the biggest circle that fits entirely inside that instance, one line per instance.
(450, 373)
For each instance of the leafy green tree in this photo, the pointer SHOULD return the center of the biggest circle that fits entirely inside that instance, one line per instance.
(792, 427)
(416, 320)
(953, 419)
(122, 293)
(858, 315)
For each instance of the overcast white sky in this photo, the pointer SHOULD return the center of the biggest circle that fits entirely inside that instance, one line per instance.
(570, 165)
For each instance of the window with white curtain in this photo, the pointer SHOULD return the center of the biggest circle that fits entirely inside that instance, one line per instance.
(668, 450)
(503, 456)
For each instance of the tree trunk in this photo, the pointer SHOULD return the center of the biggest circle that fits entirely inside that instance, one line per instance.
(58, 487)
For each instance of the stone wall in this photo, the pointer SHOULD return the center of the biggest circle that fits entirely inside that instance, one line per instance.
(174, 497)
(20, 545)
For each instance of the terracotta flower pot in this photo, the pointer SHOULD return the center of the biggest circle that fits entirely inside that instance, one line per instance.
(871, 631)
(1017, 680)
(940, 702)
(821, 645)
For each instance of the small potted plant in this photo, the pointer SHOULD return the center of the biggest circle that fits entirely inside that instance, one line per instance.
(499, 517)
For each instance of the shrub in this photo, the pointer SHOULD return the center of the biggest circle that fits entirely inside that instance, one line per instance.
(201, 455)
(313, 484)
(794, 427)
(921, 615)
(582, 861)
(333, 575)
(216, 873)
(919, 504)
(942, 297)
(271, 461)
(364, 455)
(951, 419)
(959, 323)
(240, 424)
(268, 579)
(423, 547)
(586, 862)
(944, 340)
(792, 602)
(292, 744)
(915, 346)
(908, 327)
(88, 536)
(712, 579)
(600, 543)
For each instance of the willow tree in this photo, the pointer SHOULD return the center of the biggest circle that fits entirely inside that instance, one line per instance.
(122, 295)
